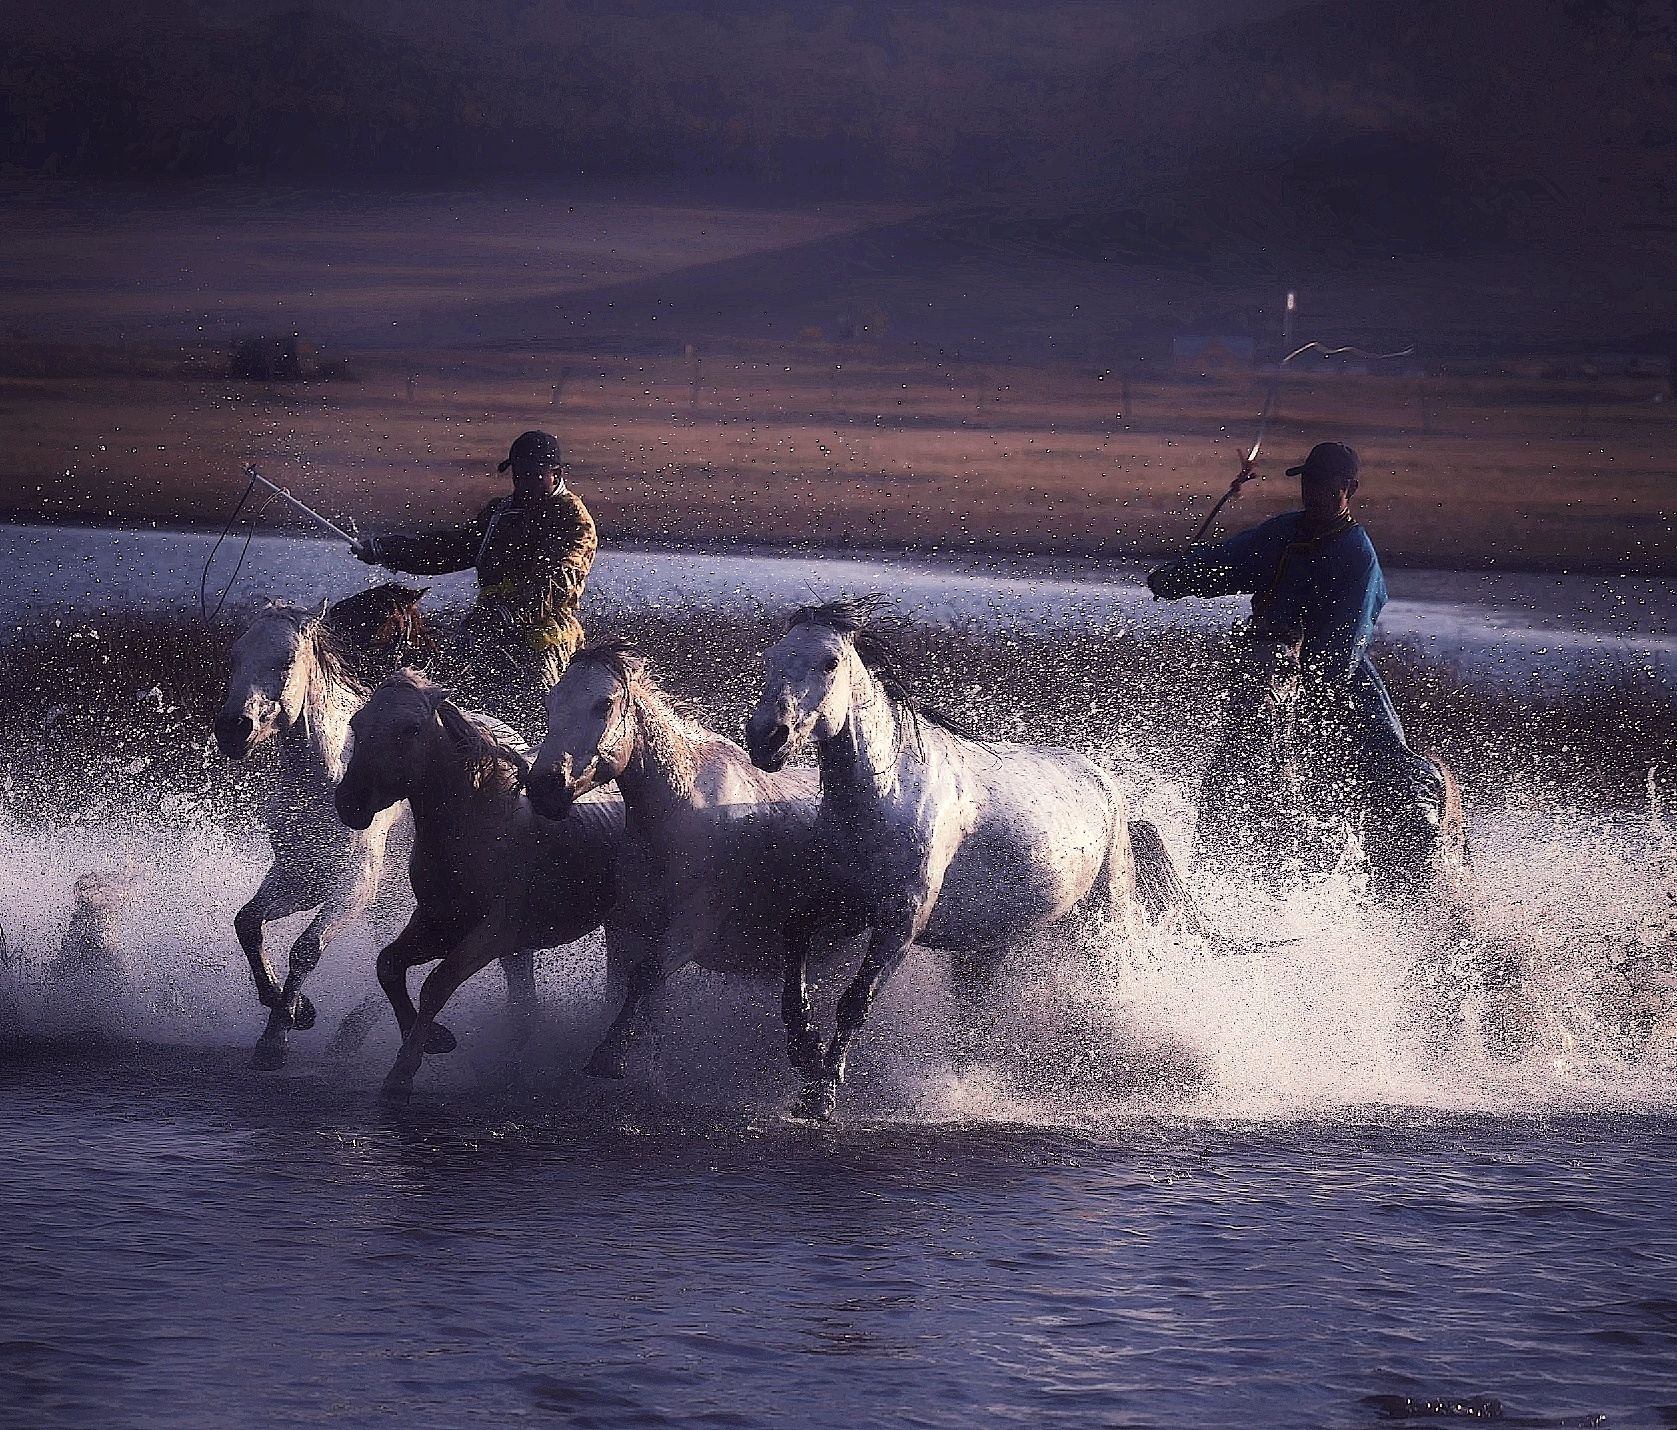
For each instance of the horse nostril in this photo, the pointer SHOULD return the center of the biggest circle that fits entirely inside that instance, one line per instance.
(777, 737)
(233, 732)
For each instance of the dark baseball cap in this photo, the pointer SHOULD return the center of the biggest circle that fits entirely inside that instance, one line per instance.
(533, 449)
(1328, 462)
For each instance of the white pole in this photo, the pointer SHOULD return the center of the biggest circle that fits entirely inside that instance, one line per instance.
(307, 511)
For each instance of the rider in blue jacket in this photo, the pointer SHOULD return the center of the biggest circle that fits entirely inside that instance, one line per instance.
(1316, 583)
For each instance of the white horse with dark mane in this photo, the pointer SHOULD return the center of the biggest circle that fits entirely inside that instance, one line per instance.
(296, 678)
(966, 845)
(719, 866)
(491, 879)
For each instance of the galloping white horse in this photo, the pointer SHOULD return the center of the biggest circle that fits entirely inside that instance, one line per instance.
(719, 866)
(490, 878)
(291, 685)
(965, 845)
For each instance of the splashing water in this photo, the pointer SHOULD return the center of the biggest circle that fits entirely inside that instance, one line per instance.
(1156, 1185)
(1091, 1025)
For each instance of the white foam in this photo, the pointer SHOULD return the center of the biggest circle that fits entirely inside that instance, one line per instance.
(1089, 1030)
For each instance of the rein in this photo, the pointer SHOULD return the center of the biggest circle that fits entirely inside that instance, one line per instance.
(204, 613)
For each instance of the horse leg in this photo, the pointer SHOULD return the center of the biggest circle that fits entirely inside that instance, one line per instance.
(519, 969)
(415, 944)
(247, 925)
(611, 1058)
(685, 937)
(275, 898)
(291, 1009)
(350, 901)
(353, 1030)
(797, 1012)
(484, 943)
(974, 978)
(887, 948)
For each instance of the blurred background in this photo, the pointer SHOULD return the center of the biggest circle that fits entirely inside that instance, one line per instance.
(998, 276)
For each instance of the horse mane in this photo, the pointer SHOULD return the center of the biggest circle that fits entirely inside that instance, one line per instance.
(335, 661)
(856, 617)
(670, 731)
(848, 615)
(383, 622)
(494, 760)
(346, 637)
(620, 657)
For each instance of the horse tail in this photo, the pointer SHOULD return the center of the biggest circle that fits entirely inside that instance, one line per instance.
(1163, 894)
(1157, 883)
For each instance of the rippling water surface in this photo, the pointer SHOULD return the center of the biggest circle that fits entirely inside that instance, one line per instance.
(186, 1243)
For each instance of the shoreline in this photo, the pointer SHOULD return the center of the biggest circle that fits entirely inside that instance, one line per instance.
(971, 557)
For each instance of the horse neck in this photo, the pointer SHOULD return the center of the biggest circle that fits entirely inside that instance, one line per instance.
(663, 762)
(315, 742)
(860, 761)
(444, 790)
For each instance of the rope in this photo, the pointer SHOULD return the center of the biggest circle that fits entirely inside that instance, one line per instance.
(1248, 471)
(207, 616)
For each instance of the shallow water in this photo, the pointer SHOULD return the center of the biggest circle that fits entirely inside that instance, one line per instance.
(1162, 1188)
(1169, 1189)
(1506, 626)
(187, 1244)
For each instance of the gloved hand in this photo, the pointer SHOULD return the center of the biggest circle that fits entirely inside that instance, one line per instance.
(365, 549)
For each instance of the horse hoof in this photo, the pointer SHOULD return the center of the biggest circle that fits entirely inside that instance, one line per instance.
(608, 1063)
(819, 1102)
(439, 1040)
(268, 1057)
(395, 1094)
(303, 1015)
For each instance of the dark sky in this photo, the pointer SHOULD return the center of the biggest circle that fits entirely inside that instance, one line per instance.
(1408, 125)
(882, 95)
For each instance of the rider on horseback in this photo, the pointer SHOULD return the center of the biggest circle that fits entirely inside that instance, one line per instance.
(1316, 586)
(532, 551)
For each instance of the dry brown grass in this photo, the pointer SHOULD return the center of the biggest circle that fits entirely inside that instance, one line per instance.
(840, 445)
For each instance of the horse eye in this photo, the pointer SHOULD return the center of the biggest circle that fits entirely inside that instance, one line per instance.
(830, 664)
(603, 709)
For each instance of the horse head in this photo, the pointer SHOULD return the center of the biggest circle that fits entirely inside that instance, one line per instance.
(271, 664)
(590, 727)
(389, 750)
(807, 677)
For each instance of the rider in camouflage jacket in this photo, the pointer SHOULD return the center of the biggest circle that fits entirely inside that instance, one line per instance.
(532, 551)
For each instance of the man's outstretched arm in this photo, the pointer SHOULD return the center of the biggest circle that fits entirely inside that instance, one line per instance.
(424, 553)
(1234, 567)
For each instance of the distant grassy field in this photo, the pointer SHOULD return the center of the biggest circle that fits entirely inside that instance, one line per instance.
(838, 444)
(689, 356)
